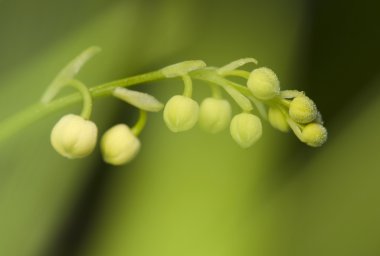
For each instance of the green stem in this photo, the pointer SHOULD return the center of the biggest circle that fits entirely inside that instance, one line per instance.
(211, 75)
(215, 91)
(35, 112)
(140, 124)
(238, 73)
(188, 90)
(87, 98)
(237, 92)
(296, 128)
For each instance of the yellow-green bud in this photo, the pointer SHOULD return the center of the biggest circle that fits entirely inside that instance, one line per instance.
(214, 114)
(119, 145)
(263, 83)
(314, 134)
(181, 113)
(277, 119)
(302, 109)
(74, 137)
(246, 129)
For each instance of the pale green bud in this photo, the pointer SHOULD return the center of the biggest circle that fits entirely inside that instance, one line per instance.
(302, 109)
(277, 119)
(214, 114)
(73, 136)
(181, 113)
(119, 145)
(263, 83)
(314, 134)
(246, 129)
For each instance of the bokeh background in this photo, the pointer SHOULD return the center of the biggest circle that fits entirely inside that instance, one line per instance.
(194, 193)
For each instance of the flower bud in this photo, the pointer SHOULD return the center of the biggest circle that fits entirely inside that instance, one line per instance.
(119, 145)
(181, 113)
(73, 136)
(314, 134)
(214, 114)
(246, 129)
(277, 119)
(263, 83)
(302, 109)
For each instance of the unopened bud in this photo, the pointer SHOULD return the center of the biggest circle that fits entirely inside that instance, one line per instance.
(246, 129)
(263, 83)
(302, 109)
(314, 134)
(181, 113)
(119, 145)
(73, 136)
(277, 119)
(214, 114)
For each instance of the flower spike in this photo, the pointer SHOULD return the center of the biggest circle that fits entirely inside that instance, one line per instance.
(259, 96)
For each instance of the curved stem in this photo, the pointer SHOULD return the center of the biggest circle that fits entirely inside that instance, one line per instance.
(188, 90)
(215, 91)
(296, 128)
(17, 122)
(260, 107)
(237, 92)
(140, 124)
(238, 73)
(211, 75)
(87, 98)
(35, 112)
(235, 64)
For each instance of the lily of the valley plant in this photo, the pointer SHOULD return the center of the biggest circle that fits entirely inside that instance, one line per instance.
(75, 136)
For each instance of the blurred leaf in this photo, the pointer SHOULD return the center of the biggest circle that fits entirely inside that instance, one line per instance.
(69, 72)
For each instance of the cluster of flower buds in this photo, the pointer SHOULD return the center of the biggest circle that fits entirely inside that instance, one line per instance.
(305, 120)
(75, 136)
(283, 109)
(289, 108)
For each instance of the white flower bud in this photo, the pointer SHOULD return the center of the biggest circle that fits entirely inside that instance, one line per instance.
(314, 134)
(263, 83)
(119, 145)
(302, 109)
(181, 113)
(214, 114)
(73, 136)
(246, 129)
(277, 119)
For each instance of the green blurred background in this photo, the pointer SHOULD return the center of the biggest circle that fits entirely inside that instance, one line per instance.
(194, 193)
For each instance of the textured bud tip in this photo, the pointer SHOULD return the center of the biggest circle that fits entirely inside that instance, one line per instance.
(302, 109)
(263, 83)
(214, 114)
(277, 119)
(119, 145)
(314, 134)
(246, 129)
(181, 113)
(73, 136)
